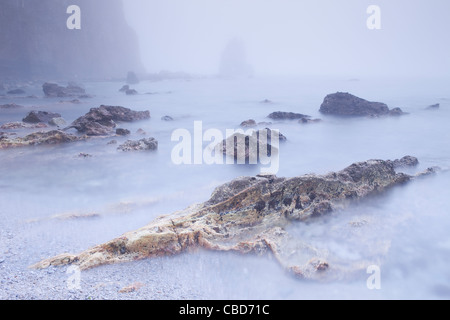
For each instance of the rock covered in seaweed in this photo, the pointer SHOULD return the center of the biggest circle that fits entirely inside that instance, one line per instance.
(251, 215)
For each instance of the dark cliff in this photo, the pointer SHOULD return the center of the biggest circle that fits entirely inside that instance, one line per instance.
(35, 41)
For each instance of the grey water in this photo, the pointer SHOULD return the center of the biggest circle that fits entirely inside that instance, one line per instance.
(128, 190)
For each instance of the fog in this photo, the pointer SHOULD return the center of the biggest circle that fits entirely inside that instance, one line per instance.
(288, 37)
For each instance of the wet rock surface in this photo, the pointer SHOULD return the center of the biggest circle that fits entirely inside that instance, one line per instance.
(346, 104)
(252, 215)
(102, 121)
(39, 138)
(244, 148)
(149, 144)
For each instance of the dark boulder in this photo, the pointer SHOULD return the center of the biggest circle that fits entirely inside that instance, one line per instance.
(40, 116)
(345, 104)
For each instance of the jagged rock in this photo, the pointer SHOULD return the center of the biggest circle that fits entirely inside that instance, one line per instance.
(53, 90)
(167, 118)
(10, 106)
(249, 124)
(406, 161)
(131, 92)
(16, 92)
(345, 104)
(125, 88)
(40, 138)
(242, 143)
(102, 121)
(141, 145)
(434, 106)
(251, 215)
(40, 116)
(287, 116)
(123, 132)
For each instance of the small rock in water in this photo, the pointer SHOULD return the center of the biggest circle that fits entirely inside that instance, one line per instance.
(141, 132)
(112, 142)
(84, 155)
(248, 123)
(397, 112)
(306, 121)
(16, 91)
(287, 116)
(40, 116)
(141, 145)
(167, 118)
(434, 106)
(59, 122)
(125, 88)
(122, 132)
(266, 101)
(131, 92)
(52, 90)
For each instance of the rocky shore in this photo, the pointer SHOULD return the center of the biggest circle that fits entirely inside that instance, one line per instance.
(251, 215)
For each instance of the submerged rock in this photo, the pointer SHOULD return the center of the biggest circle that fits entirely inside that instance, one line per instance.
(16, 92)
(40, 116)
(434, 107)
(102, 121)
(148, 144)
(125, 88)
(10, 106)
(306, 121)
(287, 116)
(40, 138)
(131, 92)
(251, 215)
(346, 104)
(53, 90)
(167, 118)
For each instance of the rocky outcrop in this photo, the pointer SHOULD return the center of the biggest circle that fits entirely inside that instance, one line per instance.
(36, 43)
(345, 104)
(102, 121)
(39, 138)
(40, 116)
(149, 144)
(247, 147)
(52, 90)
(251, 215)
(279, 115)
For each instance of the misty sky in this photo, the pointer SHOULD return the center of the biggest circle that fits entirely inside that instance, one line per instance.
(295, 37)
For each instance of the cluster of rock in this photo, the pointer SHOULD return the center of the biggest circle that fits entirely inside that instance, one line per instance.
(102, 121)
(246, 147)
(251, 215)
(53, 90)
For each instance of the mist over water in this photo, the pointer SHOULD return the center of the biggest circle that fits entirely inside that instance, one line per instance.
(403, 231)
